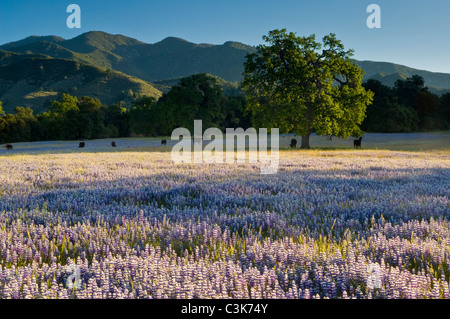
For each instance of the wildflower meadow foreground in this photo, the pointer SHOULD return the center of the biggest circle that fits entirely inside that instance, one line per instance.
(329, 224)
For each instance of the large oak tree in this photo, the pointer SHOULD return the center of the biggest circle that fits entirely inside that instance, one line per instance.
(302, 86)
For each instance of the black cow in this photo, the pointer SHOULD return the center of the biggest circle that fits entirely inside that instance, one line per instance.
(9, 147)
(82, 145)
(113, 144)
(293, 143)
(357, 143)
(164, 142)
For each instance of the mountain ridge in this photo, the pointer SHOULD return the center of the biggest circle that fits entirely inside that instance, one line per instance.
(163, 63)
(100, 37)
(169, 58)
(174, 57)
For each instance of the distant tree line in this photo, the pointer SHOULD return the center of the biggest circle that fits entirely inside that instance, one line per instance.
(407, 107)
(70, 118)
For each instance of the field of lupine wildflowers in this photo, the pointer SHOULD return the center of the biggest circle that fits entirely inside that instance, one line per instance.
(139, 226)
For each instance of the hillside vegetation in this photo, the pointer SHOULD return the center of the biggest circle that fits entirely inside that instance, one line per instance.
(167, 59)
(33, 81)
(174, 58)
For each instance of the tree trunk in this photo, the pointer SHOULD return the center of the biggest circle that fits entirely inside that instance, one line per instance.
(305, 141)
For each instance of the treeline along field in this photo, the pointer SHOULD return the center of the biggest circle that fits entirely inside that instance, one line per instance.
(408, 107)
(69, 118)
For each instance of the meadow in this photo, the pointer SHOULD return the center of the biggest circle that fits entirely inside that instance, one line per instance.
(139, 226)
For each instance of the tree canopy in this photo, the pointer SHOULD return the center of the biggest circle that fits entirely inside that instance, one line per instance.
(195, 97)
(407, 107)
(302, 86)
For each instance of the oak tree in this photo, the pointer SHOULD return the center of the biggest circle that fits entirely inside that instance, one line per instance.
(302, 86)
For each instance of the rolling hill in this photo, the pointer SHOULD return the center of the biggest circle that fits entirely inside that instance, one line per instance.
(388, 73)
(30, 80)
(167, 59)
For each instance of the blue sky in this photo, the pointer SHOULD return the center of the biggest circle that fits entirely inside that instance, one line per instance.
(413, 33)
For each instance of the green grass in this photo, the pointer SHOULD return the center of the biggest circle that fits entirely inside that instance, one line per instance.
(414, 142)
(409, 142)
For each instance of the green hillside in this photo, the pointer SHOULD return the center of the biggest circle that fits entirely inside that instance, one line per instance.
(53, 50)
(167, 59)
(31, 40)
(174, 58)
(388, 73)
(35, 81)
(97, 40)
(11, 57)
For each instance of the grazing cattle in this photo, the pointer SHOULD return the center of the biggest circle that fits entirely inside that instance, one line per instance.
(113, 144)
(9, 147)
(82, 145)
(293, 143)
(164, 142)
(357, 143)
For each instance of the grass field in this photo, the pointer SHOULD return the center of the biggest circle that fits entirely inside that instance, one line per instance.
(334, 222)
(432, 142)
